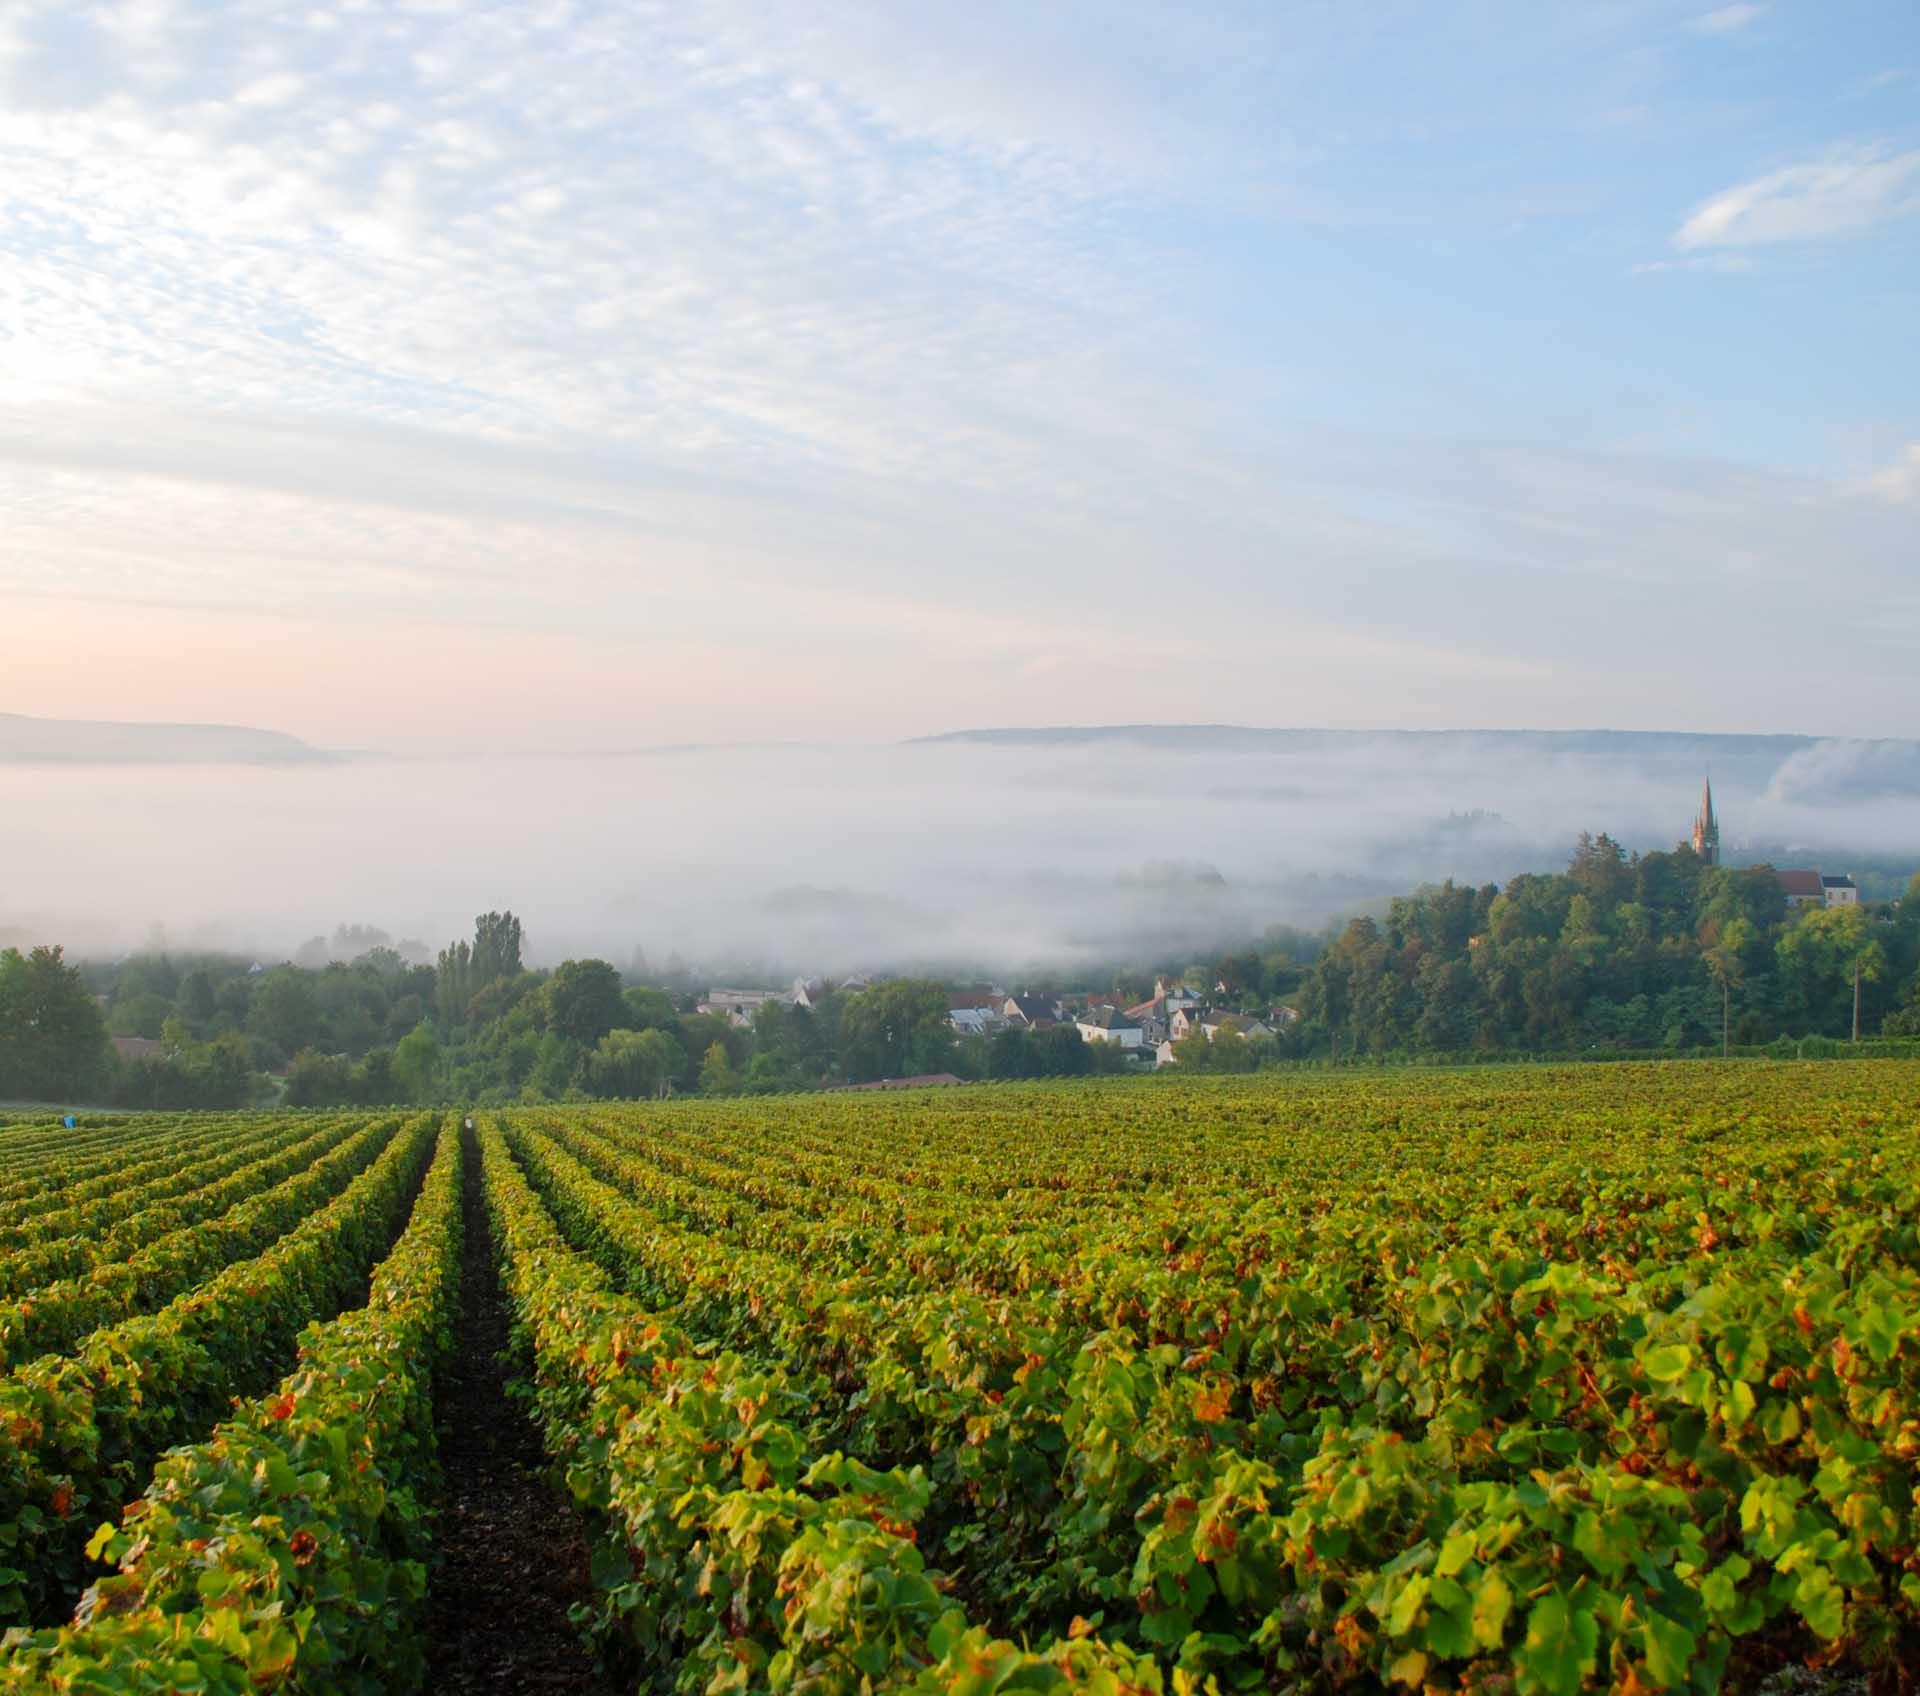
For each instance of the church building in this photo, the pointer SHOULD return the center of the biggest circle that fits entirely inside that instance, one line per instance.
(1706, 830)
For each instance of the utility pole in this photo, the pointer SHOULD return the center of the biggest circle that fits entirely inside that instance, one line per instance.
(1856, 998)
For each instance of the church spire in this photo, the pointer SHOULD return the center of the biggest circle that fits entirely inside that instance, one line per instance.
(1706, 828)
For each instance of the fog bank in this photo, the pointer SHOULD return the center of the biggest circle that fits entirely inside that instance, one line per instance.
(999, 854)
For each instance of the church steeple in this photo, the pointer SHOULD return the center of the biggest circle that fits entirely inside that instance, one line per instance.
(1706, 829)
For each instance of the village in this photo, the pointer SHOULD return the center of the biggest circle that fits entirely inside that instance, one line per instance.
(1145, 1033)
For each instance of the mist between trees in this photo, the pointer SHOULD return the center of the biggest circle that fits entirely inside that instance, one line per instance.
(1631, 954)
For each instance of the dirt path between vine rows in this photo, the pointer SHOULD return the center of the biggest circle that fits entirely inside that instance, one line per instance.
(512, 1554)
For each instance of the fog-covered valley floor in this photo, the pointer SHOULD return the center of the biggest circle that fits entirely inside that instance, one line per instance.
(995, 853)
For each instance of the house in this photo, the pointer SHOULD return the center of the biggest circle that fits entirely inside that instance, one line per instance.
(1238, 1023)
(132, 1048)
(976, 1021)
(1151, 1017)
(807, 992)
(1031, 1012)
(1801, 887)
(1209, 1022)
(1173, 996)
(737, 1006)
(1153, 1027)
(1163, 1054)
(1840, 892)
(1188, 1020)
(1109, 1024)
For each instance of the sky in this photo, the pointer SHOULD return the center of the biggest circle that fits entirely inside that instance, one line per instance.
(564, 376)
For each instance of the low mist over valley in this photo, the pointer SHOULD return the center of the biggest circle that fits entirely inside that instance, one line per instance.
(993, 850)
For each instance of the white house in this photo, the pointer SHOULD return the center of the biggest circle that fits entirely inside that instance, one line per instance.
(1840, 892)
(1109, 1024)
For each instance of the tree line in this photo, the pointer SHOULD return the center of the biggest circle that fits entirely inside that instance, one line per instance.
(1642, 953)
(477, 1025)
(1645, 953)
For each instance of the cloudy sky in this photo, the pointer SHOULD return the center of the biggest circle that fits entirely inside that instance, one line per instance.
(564, 375)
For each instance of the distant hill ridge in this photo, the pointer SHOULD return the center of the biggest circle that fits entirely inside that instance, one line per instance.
(58, 741)
(1234, 737)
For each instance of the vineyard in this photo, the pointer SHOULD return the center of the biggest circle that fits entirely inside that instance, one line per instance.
(1531, 1380)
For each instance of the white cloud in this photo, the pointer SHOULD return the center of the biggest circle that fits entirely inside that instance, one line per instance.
(833, 321)
(1847, 192)
(1726, 21)
(1900, 481)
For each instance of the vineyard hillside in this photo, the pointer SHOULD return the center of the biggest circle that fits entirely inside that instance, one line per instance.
(1521, 1380)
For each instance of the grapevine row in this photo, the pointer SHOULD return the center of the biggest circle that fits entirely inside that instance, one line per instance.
(288, 1550)
(273, 1195)
(78, 1432)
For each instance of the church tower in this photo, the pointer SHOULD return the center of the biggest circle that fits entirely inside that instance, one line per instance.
(1706, 829)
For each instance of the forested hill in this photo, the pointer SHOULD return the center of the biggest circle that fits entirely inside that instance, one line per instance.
(57, 741)
(1641, 953)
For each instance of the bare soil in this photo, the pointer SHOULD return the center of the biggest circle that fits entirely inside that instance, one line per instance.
(513, 1555)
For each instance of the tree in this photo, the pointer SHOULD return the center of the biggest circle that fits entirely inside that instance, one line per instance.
(1447, 1012)
(1193, 1053)
(499, 998)
(583, 1000)
(717, 1076)
(53, 1042)
(1010, 1054)
(554, 1065)
(650, 1010)
(1600, 869)
(352, 942)
(896, 1029)
(453, 984)
(497, 940)
(196, 999)
(285, 1014)
(797, 1043)
(698, 1032)
(375, 1084)
(319, 1080)
(138, 1015)
(1823, 960)
(416, 1064)
(1725, 960)
(1061, 1051)
(634, 1064)
(1868, 963)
